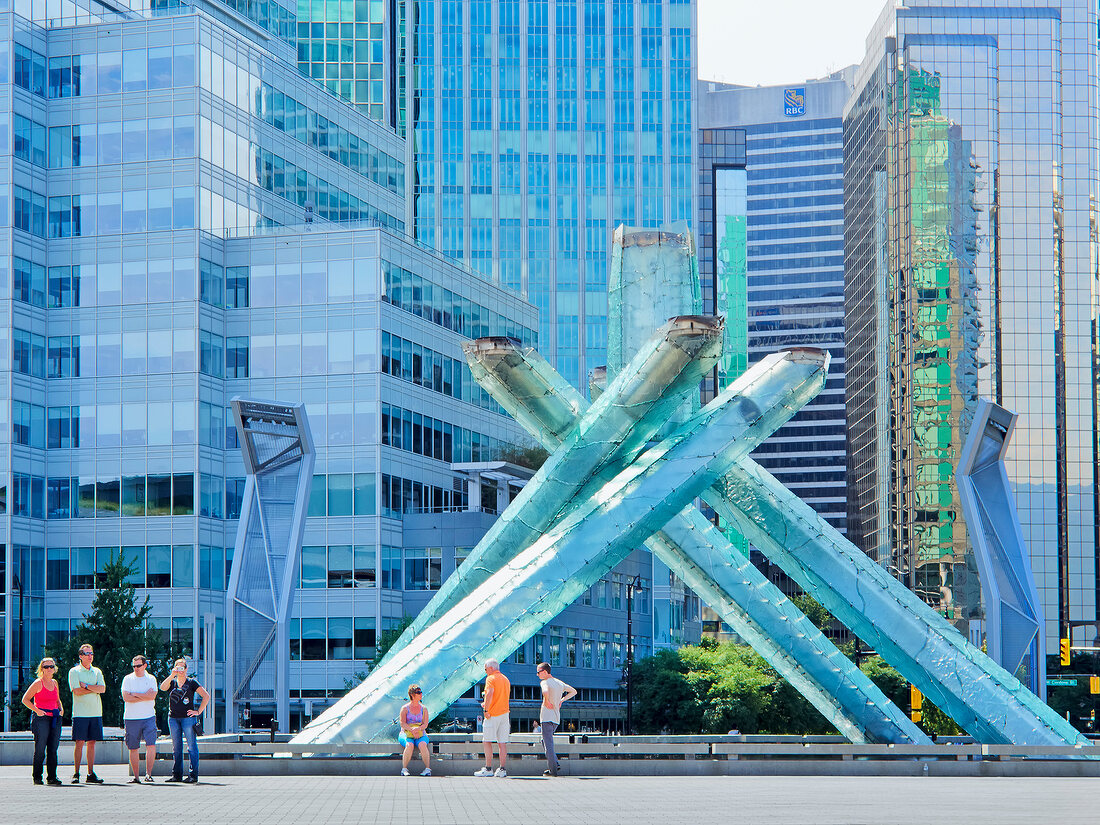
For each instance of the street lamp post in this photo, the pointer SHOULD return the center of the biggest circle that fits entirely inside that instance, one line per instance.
(634, 583)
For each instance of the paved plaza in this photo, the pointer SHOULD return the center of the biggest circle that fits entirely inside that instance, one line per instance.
(783, 800)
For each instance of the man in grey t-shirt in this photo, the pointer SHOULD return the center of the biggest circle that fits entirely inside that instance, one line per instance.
(554, 692)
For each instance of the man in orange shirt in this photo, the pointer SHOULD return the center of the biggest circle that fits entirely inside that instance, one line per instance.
(497, 722)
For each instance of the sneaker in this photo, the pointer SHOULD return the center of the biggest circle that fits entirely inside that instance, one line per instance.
(484, 772)
(174, 779)
(93, 780)
(426, 772)
(134, 781)
(37, 780)
(501, 773)
(54, 781)
(76, 779)
(548, 772)
(190, 780)
(405, 772)
(149, 778)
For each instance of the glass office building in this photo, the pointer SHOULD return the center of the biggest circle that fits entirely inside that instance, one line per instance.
(771, 236)
(153, 161)
(970, 146)
(189, 219)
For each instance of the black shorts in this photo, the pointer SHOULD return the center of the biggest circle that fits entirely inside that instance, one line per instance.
(87, 728)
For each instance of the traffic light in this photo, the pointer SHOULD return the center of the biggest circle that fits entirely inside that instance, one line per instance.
(1094, 684)
(1063, 648)
(916, 702)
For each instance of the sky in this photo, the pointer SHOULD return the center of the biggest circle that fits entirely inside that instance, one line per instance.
(770, 42)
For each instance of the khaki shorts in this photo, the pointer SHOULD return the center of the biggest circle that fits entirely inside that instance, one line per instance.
(497, 728)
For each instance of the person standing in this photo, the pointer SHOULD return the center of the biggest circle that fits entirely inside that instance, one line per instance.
(139, 693)
(498, 723)
(43, 700)
(183, 719)
(414, 734)
(554, 692)
(87, 684)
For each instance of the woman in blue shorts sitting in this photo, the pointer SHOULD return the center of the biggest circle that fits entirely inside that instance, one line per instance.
(414, 726)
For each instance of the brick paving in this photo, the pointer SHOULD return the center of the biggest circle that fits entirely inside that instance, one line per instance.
(782, 800)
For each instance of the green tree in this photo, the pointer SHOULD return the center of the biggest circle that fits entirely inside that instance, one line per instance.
(662, 695)
(715, 687)
(117, 628)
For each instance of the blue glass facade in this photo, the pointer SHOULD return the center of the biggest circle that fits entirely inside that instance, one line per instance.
(539, 126)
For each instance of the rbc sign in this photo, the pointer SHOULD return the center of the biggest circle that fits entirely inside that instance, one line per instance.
(794, 102)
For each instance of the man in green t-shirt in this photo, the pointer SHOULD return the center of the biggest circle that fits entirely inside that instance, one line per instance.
(86, 683)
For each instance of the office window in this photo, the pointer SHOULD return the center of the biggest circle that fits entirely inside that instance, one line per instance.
(63, 287)
(339, 637)
(236, 357)
(364, 637)
(60, 501)
(234, 497)
(423, 567)
(365, 556)
(314, 572)
(236, 287)
(183, 494)
(391, 567)
(313, 639)
(211, 353)
(211, 283)
(28, 424)
(57, 568)
(158, 570)
(340, 573)
(183, 565)
(28, 282)
(82, 568)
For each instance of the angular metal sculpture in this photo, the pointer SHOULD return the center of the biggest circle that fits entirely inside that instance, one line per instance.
(529, 590)
(1013, 617)
(533, 393)
(278, 457)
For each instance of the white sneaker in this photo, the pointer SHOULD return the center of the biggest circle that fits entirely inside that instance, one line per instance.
(404, 771)
(426, 772)
(484, 772)
(501, 773)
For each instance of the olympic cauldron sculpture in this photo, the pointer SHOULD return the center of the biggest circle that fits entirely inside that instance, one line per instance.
(624, 471)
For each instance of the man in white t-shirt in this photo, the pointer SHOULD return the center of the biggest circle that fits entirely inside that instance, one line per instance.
(554, 692)
(139, 690)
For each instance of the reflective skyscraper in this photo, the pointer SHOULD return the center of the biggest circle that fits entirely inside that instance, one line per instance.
(771, 237)
(970, 228)
(539, 126)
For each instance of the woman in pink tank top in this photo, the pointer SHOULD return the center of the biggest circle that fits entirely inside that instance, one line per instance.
(43, 700)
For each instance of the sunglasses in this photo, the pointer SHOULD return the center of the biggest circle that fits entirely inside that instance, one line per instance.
(417, 691)
(49, 667)
(85, 653)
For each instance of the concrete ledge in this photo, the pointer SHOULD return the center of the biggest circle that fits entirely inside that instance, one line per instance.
(593, 755)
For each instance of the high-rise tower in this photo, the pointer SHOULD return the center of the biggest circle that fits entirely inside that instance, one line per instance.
(971, 240)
